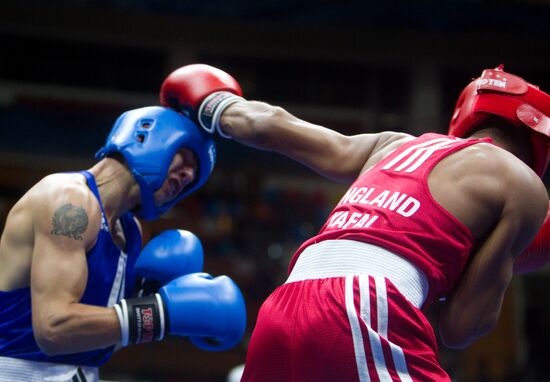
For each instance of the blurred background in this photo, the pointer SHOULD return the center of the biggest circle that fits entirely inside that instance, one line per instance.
(69, 68)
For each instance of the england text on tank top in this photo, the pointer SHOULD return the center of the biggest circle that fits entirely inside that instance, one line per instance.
(110, 278)
(390, 205)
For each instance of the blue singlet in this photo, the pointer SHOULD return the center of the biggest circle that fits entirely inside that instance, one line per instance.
(110, 279)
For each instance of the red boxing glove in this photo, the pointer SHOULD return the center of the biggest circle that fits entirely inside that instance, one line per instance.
(202, 92)
(537, 254)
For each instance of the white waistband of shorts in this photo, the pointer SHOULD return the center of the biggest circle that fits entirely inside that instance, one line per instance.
(23, 370)
(340, 258)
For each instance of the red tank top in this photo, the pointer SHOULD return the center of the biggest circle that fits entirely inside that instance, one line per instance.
(390, 205)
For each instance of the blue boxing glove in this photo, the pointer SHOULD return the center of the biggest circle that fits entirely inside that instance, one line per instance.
(211, 311)
(170, 254)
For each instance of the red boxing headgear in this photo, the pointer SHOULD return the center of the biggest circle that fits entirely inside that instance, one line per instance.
(512, 98)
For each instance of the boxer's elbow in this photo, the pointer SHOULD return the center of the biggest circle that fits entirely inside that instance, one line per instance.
(453, 341)
(50, 334)
(461, 333)
(48, 342)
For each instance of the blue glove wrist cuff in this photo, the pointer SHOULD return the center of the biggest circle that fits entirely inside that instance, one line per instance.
(143, 319)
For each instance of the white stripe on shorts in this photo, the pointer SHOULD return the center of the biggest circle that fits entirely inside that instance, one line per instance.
(374, 338)
(374, 334)
(358, 346)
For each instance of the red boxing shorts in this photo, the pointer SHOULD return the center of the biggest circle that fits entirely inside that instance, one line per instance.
(343, 328)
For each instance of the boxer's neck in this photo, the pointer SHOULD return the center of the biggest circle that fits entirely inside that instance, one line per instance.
(516, 140)
(118, 190)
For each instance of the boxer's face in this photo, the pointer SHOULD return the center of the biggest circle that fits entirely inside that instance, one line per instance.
(182, 172)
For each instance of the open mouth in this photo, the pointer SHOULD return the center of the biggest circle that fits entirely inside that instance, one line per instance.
(174, 188)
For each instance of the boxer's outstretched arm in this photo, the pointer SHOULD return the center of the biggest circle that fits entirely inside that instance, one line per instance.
(331, 154)
(473, 309)
(66, 223)
(213, 98)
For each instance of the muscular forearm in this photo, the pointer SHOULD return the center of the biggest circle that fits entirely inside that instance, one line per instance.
(266, 127)
(256, 124)
(471, 314)
(459, 330)
(214, 98)
(76, 328)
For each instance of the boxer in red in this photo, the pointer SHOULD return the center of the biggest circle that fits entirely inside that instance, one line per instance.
(446, 218)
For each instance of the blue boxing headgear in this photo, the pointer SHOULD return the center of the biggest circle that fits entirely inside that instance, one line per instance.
(148, 139)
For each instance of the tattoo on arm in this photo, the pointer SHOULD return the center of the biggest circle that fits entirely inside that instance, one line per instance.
(70, 221)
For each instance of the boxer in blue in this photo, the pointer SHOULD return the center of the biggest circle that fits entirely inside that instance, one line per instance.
(69, 253)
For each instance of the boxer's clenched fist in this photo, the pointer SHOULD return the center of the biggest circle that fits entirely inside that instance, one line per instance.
(202, 92)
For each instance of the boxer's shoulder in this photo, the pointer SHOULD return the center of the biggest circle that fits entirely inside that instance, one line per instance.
(492, 182)
(51, 189)
(494, 163)
(63, 198)
(490, 174)
(61, 185)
